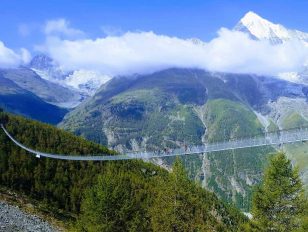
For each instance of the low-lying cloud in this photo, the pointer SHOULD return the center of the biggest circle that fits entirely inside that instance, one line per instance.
(144, 52)
(10, 58)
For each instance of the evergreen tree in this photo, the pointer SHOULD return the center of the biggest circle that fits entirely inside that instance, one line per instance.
(177, 209)
(279, 204)
(172, 202)
(183, 215)
(105, 196)
(113, 203)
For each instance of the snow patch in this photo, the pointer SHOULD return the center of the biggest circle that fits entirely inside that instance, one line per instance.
(263, 29)
(290, 76)
(86, 80)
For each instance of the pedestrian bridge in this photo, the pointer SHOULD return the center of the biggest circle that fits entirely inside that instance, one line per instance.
(267, 139)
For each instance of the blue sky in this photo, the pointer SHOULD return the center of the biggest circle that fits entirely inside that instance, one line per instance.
(21, 22)
(150, 35)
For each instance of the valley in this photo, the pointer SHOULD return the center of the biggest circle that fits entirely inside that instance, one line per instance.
(179, 106)
(62, 187)
(151, 83)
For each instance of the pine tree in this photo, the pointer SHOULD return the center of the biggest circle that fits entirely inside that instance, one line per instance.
(182, 209)
(279, 204)
(106, 196)
(175, 203)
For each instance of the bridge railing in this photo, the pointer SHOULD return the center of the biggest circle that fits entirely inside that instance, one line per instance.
(280, 137)
(272, 138)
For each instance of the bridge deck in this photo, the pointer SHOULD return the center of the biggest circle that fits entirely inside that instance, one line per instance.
(274, 138)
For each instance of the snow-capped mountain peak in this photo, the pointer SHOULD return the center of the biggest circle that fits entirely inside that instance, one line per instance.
(259, 28)
(262, 29)
(86, 82)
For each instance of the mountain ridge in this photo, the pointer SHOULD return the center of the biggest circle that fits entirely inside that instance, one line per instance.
(15, 99)
(262, 29)
(84, 81)
(173, 107)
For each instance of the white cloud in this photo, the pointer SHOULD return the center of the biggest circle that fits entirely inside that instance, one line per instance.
(10, 58)
(61, 27)
(234, 51)
(143, 52)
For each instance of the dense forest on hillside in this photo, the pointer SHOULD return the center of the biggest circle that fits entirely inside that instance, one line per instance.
(106, 196)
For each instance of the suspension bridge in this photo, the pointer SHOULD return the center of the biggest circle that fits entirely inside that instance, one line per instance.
(267, 139)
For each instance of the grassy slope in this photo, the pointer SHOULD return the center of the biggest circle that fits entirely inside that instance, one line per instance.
(294, 120)
(159, 111)
(229, 119)
(240, 169)
(297, 152)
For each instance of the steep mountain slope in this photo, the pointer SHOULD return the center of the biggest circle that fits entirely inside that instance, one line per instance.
(120, 196)
(290, 113)
(172, 96)
(50, 92)
(17, 100)
(86, 82)
(175, 107)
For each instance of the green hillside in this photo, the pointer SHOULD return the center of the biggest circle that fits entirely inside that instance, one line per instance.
(232, 174)
(229, 119)
(175, 107)
(297, 152)
(106, 196)
(294, 120)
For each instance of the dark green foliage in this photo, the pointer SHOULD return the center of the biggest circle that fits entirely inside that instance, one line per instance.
(58, 183)
(185, 211)
(279, 204)
(3, 117)
(130, 200)
(118, 196)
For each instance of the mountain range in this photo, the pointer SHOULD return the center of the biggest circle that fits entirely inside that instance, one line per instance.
(83, 81)
(42, 84)
(174, 107)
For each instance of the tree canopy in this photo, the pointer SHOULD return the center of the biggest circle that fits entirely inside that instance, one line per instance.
(106, 196)
(279, 203)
